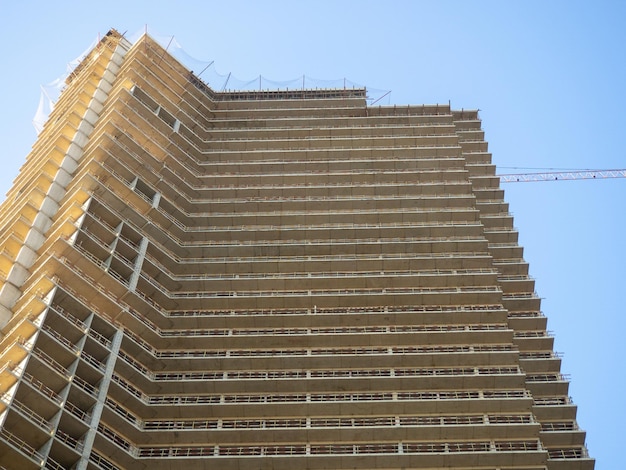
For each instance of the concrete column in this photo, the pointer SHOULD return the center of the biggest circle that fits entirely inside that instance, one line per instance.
(134, 278)
(96, 413)
(155, 200)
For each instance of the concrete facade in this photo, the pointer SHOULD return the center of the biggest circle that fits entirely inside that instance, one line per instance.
(267, 280)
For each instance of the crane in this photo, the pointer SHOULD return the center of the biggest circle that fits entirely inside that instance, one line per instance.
(562, 175)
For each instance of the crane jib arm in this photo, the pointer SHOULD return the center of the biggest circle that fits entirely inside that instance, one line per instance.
(562, 175)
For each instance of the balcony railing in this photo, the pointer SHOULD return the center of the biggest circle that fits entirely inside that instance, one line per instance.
(21, 446)
(31, 415)
(88, 358)
(69, 440)
(337, 422)
(557, 426)
(360, 448)
(47, 359)
(334, 311)
(41, 387)
(60, 338)
(69, 317)
(85, 386)
(568, 453)
(316, 373)
(82, 415)
(553, 401)
(102, 462)
(178, 400)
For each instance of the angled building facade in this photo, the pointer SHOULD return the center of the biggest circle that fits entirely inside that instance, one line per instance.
(266, 280)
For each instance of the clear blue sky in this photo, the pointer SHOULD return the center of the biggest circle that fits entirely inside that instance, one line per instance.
(548, 76)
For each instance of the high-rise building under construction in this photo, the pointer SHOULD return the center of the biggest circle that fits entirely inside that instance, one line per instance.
(266, 280)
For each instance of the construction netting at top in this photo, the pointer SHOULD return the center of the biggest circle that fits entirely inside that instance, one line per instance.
(50, 92)
(207, 72)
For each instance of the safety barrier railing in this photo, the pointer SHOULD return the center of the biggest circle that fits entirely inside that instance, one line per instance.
(553, 401)
(312, 292)
(341, 397)
(85, 386)
(558, 426)
(22, 446)
(360, 448)
(60, 338)
(114, 437)
(123, 412)
(338, 422)
(74, 410)
(99, 338)
(334, 373)
(384, 329)
(31, 415)
(540, 355)
(69, 317)
(50, 361)
(88, 358)
(326, 274)
(568, 453)
(333, 311)
(69, 440)
(102, 462)
(41, 387)
(403, 350)
(550, 377)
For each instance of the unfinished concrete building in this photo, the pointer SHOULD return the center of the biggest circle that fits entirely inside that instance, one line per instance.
(266, 280)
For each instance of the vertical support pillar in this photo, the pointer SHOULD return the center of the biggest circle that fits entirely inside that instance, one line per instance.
(116, 342)
(134, 277)
(155, 200)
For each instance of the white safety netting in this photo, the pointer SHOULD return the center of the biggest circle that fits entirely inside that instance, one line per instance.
(206, 71)
(50, 92)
